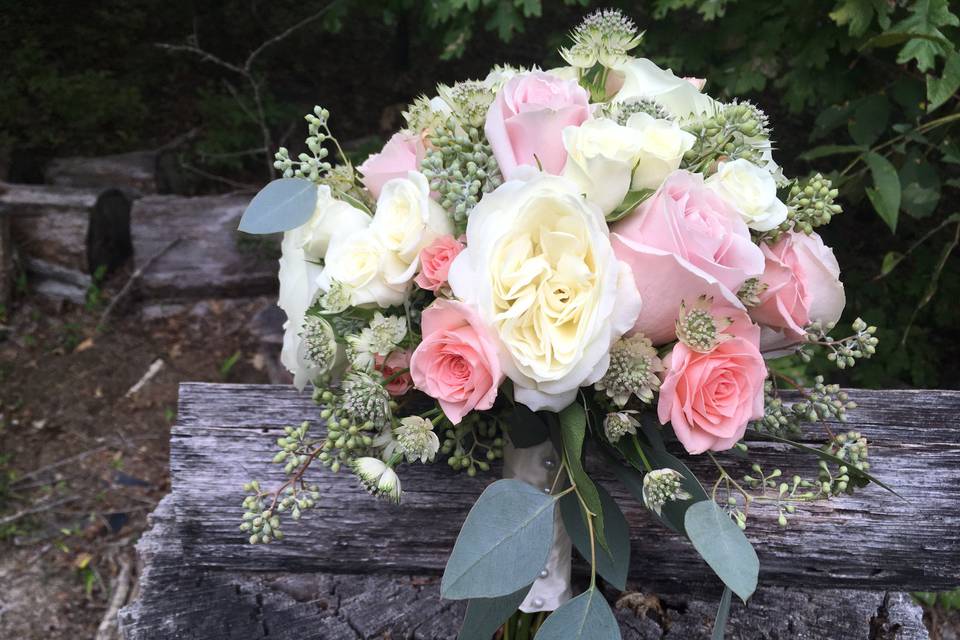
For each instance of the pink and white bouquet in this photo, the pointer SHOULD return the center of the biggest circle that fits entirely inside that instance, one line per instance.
(544, 263)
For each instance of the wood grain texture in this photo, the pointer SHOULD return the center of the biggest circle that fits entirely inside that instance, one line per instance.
(226, 435)
(211, 260)
(188, 602)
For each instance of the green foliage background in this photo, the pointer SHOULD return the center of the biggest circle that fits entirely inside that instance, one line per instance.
(863, 89)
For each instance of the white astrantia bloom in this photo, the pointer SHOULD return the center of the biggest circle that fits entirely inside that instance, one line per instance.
(378, 478)
(644, 79)
(382, 336)
(406, 220)
(752, 191)
(662, 145)
(601, 155)
(298, 289)
(540, 270)
(331, 216)
(416, 439)
(358, 262)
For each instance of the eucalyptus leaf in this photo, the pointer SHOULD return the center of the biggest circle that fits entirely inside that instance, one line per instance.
(723, 613)
(573, 428)
(485, 615)
(723, 546)
(282, 205)
(586, 617)
(631, 201)
(612, 565)
(503, 544)
(527, 429)
(885, 196)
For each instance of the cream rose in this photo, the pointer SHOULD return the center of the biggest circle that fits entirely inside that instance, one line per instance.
(662, 146)
(407, 220)
(298, 288)
(643, 79)
(330, 216)
(541, 273)
(752, 191)
(601, 157)
(358, 260)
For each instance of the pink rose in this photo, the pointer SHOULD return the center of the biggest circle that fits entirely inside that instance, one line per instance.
(803, 286)
(456, 362)
(392, 365)
(528, 117)
(402, 153)
(710, 397)
(681, 243)
(435, 260)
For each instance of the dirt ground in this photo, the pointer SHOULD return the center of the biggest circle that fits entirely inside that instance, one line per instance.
(82, 460)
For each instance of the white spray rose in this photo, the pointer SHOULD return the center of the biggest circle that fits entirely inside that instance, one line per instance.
(359, 261)
(541, 273)
(407, 220)
(298, 288)
(329, 217)
(662, 145)
(601, 156)
(679, 96)
(752, 191)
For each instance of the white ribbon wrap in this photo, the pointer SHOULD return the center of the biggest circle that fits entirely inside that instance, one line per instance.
(538, 466)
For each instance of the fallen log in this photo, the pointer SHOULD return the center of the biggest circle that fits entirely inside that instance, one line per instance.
(137, 173)
(211, 260)
(66, 235)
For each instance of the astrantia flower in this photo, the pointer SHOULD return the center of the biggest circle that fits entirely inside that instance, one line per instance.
(319, 343)
(660, 486)
(633, 370)
(469, 100)
(416, 439)
(337, 298)
(378, 478)
(698, 328)
(365, 398)
(386, 332)
(604, 36)
(618, 424)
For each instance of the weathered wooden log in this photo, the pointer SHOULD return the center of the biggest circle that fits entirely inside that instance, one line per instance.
(64, 235)
(137, 173)
(212, 259)
(226, 435)
(181, 600)
(6, 261)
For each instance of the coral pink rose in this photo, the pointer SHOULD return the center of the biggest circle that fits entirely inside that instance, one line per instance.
(435, 260)
(803, 286)
(710, 397)
(683, 242)
(525, 123)
(390, 366)
(456, 362)
(402, 153)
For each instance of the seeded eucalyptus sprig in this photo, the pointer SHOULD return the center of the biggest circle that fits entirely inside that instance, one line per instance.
(843, 352)
(473, 444)
(810, 204)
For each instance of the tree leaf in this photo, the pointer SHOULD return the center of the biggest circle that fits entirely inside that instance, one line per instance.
(503, 544)
(920, 183)
(939, 90)
(573, 427)
(485, 615)
(885, 196)
(829, 457)
(826, 150)
(723, 546)
(527, 429)
(631, 201)
(282, 205)
(723, 612)
(586, 617)
(613, 564)
(894, 38)
(870, 117)
(890, 262)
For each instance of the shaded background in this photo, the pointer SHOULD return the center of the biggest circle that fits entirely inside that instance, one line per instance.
(843, 82)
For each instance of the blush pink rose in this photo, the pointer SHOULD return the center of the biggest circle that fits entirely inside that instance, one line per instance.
(390, 366)
(435, 261)
(803, 286)
(525, 123)
(402, 153)
(709, 398)
(456, 363)
(681, 243)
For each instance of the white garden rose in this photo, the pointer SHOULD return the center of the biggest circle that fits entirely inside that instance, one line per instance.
(679, 96)
(359, 261)
(540, 271)
(298, 288)
(407, 220)
(752, 191)
(601, 156)
(662, 145)
(329, 217)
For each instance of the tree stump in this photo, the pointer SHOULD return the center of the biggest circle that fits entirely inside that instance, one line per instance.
(65, 235)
